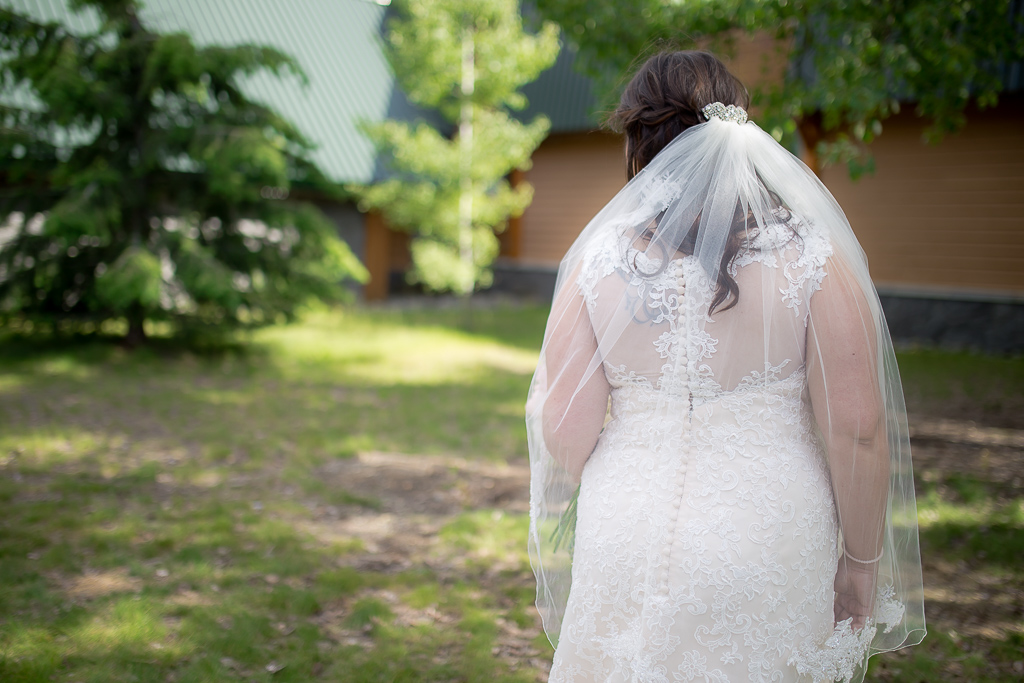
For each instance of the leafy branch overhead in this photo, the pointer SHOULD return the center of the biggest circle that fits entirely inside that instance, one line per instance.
(466, 59)
(852, 63)
(140, 182)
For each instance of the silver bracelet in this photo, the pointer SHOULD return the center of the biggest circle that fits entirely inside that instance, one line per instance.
(850, 557)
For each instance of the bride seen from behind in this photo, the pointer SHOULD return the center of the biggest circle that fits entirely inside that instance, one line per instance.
(721, 485)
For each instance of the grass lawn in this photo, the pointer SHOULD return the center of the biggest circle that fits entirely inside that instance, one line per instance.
(345, 500)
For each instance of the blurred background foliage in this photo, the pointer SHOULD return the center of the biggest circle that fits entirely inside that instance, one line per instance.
(466, 60)
(139, 182)
(851, 63)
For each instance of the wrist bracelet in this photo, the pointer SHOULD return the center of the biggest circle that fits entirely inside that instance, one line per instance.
(850, 557)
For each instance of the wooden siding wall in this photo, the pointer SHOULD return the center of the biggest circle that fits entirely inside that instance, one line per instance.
(573, 176)
(385, 251)
(755, 60)
(947, 217)
(933, 219)
(377, 256)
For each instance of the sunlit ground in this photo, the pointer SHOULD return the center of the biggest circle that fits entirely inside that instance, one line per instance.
(345, 500)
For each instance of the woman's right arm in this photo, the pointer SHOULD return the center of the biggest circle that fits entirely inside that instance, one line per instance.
(843, 380)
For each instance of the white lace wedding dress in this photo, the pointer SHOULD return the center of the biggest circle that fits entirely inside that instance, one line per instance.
(706, 538)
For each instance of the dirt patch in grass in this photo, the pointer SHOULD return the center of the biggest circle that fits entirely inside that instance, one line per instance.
(431, 485)
(410, 498)
(96, 584)
(414, 499)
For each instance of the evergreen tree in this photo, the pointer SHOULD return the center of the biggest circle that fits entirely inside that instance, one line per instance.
(467, 59)
(137, 181)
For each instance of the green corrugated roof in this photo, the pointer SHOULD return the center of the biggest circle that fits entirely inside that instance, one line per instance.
(335, 41)
(338, 45)
(566, 97)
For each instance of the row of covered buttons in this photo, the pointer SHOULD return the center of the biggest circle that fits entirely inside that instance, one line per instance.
(682, 362)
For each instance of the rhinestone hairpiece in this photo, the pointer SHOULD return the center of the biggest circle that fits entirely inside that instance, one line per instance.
(726, 113)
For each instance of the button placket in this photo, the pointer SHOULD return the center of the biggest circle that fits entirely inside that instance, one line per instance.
(681, 381)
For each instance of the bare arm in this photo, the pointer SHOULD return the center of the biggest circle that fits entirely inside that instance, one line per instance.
(842, 364)
(577, 398)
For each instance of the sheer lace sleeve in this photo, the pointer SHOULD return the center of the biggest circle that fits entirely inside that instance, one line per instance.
(577, 393)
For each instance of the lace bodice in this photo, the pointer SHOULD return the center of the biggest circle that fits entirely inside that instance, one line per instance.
(725, 351)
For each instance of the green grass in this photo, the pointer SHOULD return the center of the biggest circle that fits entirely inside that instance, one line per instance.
(156, 503)
(964, 385)
(170, 514)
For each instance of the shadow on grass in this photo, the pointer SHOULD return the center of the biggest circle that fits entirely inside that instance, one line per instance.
(965, 517)
(127, 579)
(964, 386)
(998, 541)
(949, 657)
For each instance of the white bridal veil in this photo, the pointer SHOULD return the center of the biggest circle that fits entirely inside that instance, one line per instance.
(721, 196)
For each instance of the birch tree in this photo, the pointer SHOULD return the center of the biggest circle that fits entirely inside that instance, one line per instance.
(466, 59)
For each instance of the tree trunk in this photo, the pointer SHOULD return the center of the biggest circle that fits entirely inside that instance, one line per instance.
(466, 162)
(810, 130)
(136, 336)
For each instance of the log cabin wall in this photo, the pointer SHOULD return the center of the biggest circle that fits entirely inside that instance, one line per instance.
(944, 219)
(377, 256)
(573, 176)
(385, 254)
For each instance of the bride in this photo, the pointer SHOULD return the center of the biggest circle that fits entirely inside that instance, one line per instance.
(721, 481)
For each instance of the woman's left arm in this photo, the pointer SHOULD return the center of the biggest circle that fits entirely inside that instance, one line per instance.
(576, 400)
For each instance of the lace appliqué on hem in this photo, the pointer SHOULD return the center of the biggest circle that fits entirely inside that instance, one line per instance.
(846, 650)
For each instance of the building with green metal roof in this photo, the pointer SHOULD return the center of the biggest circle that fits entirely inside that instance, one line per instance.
(339, 45)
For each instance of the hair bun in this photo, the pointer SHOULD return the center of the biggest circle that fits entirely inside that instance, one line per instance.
(665, 97)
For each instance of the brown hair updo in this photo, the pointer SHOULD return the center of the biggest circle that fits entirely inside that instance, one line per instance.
(665, 97)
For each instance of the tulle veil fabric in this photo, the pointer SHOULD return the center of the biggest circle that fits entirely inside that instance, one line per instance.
(725, 188)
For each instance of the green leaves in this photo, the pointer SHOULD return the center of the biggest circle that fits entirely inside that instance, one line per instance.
(564, 534)
(425, 52)
(850, 61)
(453, 191)
(440, 266)
(133, 279)
(241, 162)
